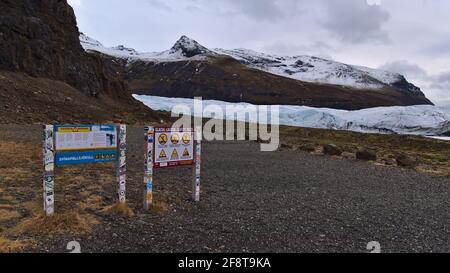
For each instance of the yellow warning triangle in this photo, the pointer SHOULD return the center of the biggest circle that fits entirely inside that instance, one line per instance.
(175, 153)
(162, 154)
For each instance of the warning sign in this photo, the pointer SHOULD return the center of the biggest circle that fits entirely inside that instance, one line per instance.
(175, 138)
(162, 139)
(175, 147)
(162, 155)
(175, 155)
(186, 138)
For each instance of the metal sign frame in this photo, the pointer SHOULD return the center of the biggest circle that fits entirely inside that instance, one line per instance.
(150, 164)
(149, 136)
(53, 158)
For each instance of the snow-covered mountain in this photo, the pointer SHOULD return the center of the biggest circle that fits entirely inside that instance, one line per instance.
(303, 68)
(184, 49)
(318, 70)
(424, 120)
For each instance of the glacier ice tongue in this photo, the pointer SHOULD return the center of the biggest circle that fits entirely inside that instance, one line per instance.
(423, 120)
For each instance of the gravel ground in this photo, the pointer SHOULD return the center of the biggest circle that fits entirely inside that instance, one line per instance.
(274, 202)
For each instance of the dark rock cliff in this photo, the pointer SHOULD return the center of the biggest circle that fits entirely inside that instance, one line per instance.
(46, 76)
(41, 38)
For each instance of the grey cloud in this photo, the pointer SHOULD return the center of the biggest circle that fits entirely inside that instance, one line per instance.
(438, 49)
(410, 70)
(355, 21)
(437, 86)
(440, 88)
(259, 9)
(442, 82)
(158, 4)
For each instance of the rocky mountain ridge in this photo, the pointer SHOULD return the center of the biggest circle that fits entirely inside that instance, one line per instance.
(304, 68)
(189, 69)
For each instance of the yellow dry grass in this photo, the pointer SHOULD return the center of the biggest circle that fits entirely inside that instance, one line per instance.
(6, 215)
(4, 206)
(121, 209)
(94, 202)
(35, 207)
(72, 223)
(15, 174)
(8, 246)
(7, 198)
(160, 207)
(18, 154)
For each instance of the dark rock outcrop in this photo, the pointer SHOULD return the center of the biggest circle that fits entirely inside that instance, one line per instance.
(332, 150)
(41, 38)
(406, 161)
(46, 76)
(366, 155)
(190, 48)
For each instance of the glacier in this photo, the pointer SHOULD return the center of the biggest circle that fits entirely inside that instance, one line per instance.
(424, 120)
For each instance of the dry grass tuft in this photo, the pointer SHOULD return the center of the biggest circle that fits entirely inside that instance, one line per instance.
(7, 198)
(6, 215)
(34, 207)
(72, 223)
(93, 202)
(160, 207)
(119, 209)
(8, 246)
(13, 154)
(7, 207)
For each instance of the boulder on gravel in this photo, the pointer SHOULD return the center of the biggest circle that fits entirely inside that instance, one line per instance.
(406, 161)
(366, 155)
(332, 149)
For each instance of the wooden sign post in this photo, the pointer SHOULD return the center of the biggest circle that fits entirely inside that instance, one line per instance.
(149, 133)
(122, 164)
(82, 144)
(198, 164)
(49, 170)
(171, 147)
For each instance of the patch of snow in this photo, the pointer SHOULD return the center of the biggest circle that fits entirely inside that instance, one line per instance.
(441, 138)
(423, 120)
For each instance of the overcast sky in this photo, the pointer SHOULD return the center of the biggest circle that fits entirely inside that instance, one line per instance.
(411, 37)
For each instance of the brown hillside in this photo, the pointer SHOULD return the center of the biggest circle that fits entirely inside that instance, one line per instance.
(223, 78)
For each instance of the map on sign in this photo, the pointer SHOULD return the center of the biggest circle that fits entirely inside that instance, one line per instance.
(174, 147)
(81, 144)
(75, 138)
